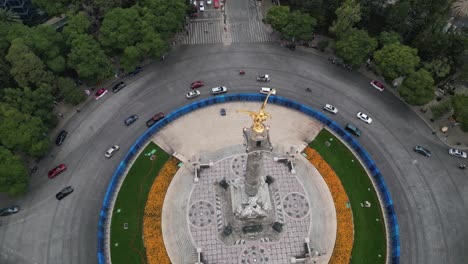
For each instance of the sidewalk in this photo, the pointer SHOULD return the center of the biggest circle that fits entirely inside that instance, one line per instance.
(453, 138)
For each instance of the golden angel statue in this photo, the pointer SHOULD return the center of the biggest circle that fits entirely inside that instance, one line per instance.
(260, 116)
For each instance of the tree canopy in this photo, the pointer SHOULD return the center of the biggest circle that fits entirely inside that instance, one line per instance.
(396, 60)
(13, 173)
(459, 104)
(347, 15)
(417, 88)
(355, 46)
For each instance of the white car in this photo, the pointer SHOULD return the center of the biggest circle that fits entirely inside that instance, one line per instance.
(330, 108)
(208, 2)
(110, 152)
(219, 90)
(364, 117)
(193, 94)
(457, 153)
(267, 90)
(263, 78)
(202, 7)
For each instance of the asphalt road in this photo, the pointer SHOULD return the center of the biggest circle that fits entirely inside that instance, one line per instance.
(430, 194)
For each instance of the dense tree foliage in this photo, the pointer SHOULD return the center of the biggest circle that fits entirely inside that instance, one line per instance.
(13, 173)
(417, 88)
(354, 46)
(292, 25)
(277, 17)
(396, 60)
(390, 37)
(460, 108)
(347, 15)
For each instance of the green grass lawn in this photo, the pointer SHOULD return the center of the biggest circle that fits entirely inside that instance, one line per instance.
(369, 234)
(131, 202)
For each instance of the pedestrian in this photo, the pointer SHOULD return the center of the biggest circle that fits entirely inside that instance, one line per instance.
(78, 110)
(60, 115)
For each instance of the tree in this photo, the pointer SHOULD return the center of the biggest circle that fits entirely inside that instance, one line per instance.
(120, 29)
(166, 17)
(417, 88)
(130, 58)
(13, 173)
(347, 15)
(439, 68)
(71, 93)
(152, 45)
(299, 26)
(88, 59)
(278, 17)
(77, 24)
(47, 43)
(459, 104)
(389, 37)
(9, 17)
(6, 79)
(396, 60)
(355, 46)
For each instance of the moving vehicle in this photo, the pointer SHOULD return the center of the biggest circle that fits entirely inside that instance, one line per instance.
(266, 90)
(457, 153)
(131, 119)
(330, 108)
(219, 90)
(208, 2)
(64, 193)
(155, 119)
(377, 85)
(197, 84)
(56, 171)
(202, 7)
(61, 137)
(9, 210)
(222, 112)
(423, 151)
(100, 93)
(353, 130)
(192, 94)
(110, 152)
(364, 117)
(118, 86)
(216, 4)
(263, 78)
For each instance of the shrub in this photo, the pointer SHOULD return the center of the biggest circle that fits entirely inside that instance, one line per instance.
(441, 109)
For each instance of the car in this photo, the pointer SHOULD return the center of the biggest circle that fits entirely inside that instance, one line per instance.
(61, 137)
(131, 119)
(423, 151)
(364, 117)
(100, 93)
(118, 86)
(208, 2)
(155, 119)
(136, 71)
(64, 193)
(219, 90)
(110, 152)
(192, 94)
(377, 85)
(353, 130)
(216, 4)
(330, 108)
(266, 90)
(222, 112)
(202, 7)
(263, 78)
(9, 210)
(457, 153)
(197, 84)
(56, 171)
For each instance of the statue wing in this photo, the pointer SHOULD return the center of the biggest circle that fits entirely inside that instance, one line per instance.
(266, 99)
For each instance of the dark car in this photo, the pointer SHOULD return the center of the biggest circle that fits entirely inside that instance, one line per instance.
(131, 119)
(353, 130)
(61, 137)
(422, 151)
(118, 86)
(9, 210)
(136, 71)
(222, 112)
(64, 193)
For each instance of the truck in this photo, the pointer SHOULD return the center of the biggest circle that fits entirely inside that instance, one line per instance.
(155, 119)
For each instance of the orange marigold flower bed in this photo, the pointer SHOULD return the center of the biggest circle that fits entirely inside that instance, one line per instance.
(345, 228)
(152, 230)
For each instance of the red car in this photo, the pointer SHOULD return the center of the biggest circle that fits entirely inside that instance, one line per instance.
(216, 3)
(377, 85)
(197, 84)
(100, 93)
(57, 170)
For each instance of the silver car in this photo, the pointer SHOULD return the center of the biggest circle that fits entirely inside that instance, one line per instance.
(330, 108)
(192, 94)
(219, 90)
(457, 153)
(110, 152)
(9, 210)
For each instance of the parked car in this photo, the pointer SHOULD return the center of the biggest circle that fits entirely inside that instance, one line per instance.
(377, 85)
(457, 153)
(131, 119)
(56, 171)
(263, 78)
(197, 84)
(192, 94)
(208, 2)
(110, 152)
(9, 210)
(222, 112)
(136, 71)
(202, 7)
(353, 130)
(364, 117)
(118, 86)
(266, 90)
(61, 137)
(64, 193)
(216, 4)
(330, 108)
(155, 119)
(219, 90)
(423, 151)
(100, 93)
